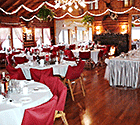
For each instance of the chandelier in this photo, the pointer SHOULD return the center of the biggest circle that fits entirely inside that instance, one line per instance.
(69, 3)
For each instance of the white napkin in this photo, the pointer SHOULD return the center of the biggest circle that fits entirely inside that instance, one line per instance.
(42, 62)
(39, 89)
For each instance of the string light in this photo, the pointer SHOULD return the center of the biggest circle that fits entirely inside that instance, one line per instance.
(30, 10)
(68, 3)
(108, 10)
(135, 22)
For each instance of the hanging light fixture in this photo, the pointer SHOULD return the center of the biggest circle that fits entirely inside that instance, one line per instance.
(69, 3)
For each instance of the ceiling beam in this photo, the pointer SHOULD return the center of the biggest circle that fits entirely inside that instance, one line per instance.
(15, 5)
(7, 4)
(2, 2)
(33, 6)
(27, 3)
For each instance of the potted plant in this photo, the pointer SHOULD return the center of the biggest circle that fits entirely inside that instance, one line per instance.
(87, 20)
(45, 14)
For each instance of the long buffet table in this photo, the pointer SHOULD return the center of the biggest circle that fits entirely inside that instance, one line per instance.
(124, 71)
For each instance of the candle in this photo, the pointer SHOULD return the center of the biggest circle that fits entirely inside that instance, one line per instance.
(25, 90)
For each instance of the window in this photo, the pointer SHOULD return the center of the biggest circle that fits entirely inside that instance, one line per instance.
(135, 33)
(128, 3)
(90, 34)
(46, 36)
(82, 34)
(17, 38)
(38, 36)
(63, 36)
(5, 37)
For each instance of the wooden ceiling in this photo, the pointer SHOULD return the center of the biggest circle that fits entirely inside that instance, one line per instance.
(11, 5)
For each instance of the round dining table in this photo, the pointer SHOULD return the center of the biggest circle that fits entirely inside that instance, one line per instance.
(94, 53)
(58, 69)
(12, 108)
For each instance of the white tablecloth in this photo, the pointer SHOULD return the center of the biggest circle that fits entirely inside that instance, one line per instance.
(29, 57)
(11, 114)
(60, 69)
(124, 72)
(94, 54)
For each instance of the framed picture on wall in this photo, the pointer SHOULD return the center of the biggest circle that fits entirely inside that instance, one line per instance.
(29, 37)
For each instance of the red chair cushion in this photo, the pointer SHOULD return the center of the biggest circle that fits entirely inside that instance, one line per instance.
(2, 56)
(84, 55)
(17, 72)
(37, 73)
(68, 53)
(14, 53)
(74, 72)
(40, 115)
(9, 59)
(100, 54)
(70, 59)
(57, 88)
(71, 47)
(62, 48)
(20, 60)
(46, 50)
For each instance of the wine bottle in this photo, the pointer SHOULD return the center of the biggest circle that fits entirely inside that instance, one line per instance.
(4, 81)
(38, 59)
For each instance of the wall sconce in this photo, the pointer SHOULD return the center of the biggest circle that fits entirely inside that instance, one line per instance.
(85, 32)
(124, 29)
(28, 31)
(72, 32)
(98, 30)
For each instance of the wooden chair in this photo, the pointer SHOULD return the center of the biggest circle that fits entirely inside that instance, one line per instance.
(57, 88)
(15, 73)
(86, 56)
(100, 58)
(72, 47)
(20, 60)
(46, 50)
(69, 55)
(42, 114)
(2, 60)
(74, 74)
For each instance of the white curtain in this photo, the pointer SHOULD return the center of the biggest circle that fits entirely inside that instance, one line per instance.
(17, 38)
(135, 33)
(47, 36)
(4, 41)
(38, 36)
(63, 36)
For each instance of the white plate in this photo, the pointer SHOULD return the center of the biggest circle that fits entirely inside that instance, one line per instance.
(25, 99)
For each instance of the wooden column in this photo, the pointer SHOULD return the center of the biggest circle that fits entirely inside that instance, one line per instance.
(76, 34)
(11, 37)
(42, 36)
(54, 30)
(129, 29)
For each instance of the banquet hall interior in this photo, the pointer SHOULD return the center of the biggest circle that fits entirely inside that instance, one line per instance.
(71, 62)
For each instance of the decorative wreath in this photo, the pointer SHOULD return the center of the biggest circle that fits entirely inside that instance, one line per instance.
(114, 18)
